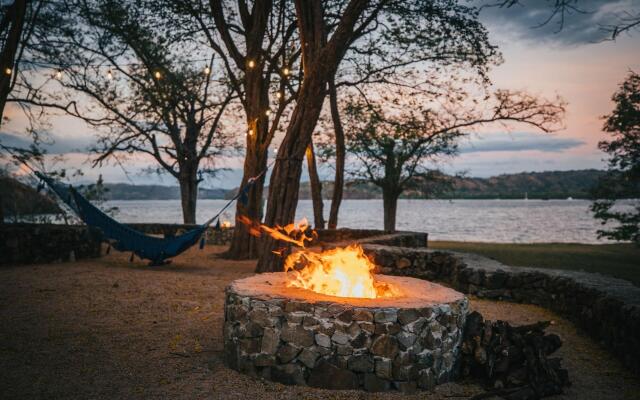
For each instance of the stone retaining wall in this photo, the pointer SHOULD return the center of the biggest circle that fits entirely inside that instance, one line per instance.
(217, 237)
(45, 243)
(607, 308)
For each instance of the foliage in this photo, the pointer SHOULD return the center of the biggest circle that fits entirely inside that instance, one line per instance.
(395, 135)
(623, 178)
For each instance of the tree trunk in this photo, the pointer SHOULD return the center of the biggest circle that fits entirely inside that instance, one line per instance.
(243, 244)
(189, 194)
(338, 180)
(15, 16)
(320, 61)
(316, 188)
(390, 205)
(285, 179)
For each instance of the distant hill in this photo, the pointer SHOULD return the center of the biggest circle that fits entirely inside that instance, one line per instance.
(536, 185)
(124, 191)
(20, 199)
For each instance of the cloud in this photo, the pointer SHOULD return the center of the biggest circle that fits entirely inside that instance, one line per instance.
(53, 144)
(582, 24)
(519, 141)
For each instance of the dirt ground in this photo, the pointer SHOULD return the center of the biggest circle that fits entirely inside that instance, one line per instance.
(112, 329)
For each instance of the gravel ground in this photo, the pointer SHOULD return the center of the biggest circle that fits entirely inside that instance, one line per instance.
(108, 328)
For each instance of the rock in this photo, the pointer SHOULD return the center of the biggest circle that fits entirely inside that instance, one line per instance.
(261, 317)
(373, 383)
(328, 376)
(386, 315)
(340, 338)
(359, 341)
(309, 321)
(323, 340)
(287, 352)
(296, 317)
(249, 345)
(293, 306)
(403, 263)
(406, 340)
(297, 335)
(264, 360)
(288, 374)
(344, 349)
(361, 363)
(308, 357)
(385, 346)
(424, 359)
(406, 316)
(367, 327)
(250, 330)
(362, 315)
(346, 316)
(270, 341)
(426, 379)
(384, 368)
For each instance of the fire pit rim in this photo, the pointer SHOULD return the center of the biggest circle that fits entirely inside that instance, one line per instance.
(416, 293)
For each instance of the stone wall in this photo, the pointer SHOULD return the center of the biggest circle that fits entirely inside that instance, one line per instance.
(44, 243)
(335, 345)
(346, 235)
(217, 237)
(607, 308)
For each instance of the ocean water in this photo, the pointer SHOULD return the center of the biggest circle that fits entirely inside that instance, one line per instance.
(512, 221)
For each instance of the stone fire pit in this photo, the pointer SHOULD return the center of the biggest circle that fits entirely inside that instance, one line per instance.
(297, 336)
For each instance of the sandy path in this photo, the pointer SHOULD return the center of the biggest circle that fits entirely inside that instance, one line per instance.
(113, 329)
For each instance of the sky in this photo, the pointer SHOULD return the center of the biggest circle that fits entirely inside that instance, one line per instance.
(573, 62)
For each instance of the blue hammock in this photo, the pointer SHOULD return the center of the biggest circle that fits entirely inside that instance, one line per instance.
(122, 237)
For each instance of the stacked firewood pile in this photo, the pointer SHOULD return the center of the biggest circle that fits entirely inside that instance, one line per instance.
(512, 362)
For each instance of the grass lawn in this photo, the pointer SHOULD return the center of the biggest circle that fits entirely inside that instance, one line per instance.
(619, 260)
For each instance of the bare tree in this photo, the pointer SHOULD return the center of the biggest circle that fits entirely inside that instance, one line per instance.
(113, 66)
(396, 136)
(446, 26)
(260, 53)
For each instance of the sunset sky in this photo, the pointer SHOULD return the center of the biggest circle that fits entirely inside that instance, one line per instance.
(574, 63)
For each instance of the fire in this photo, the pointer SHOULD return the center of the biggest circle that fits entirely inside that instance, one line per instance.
(343, 271)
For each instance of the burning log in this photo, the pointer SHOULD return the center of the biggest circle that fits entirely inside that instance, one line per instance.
(512, 362)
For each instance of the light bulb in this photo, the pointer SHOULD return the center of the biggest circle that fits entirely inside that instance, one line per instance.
(207, 70)
(8, 71)
(250, 132)
(109, 75)
(157, 74)
(59, 74)
(251, 64)
(285, 71)
(278, 95)
(267, 113)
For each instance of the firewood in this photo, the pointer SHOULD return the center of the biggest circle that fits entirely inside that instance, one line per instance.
(512, 361)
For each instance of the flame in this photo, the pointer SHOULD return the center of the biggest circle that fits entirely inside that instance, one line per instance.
(342, 271)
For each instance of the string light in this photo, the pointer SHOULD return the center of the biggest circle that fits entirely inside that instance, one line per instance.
(8, 71)
(250, 132)
(267, 113)
(285, 71)
(278, 95)
(59, 74)
(207, 70)
(157, 74)
(251, 64)
(109, 75)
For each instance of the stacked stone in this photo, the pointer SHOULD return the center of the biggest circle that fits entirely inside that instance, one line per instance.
(337, 346)
(607, 308)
